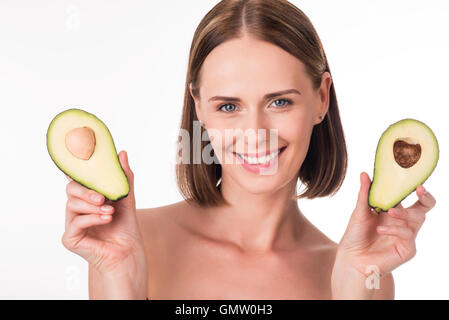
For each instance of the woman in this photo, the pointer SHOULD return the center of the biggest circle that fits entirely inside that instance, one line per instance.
(239, 233)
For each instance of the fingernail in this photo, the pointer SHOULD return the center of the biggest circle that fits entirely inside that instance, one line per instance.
(382, 228)
(95, 197)
(106, 208)
(105, 217)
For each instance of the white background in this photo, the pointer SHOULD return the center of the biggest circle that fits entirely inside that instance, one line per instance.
(126, 62)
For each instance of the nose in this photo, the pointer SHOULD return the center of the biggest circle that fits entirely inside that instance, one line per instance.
(256, 128)
(255, 119)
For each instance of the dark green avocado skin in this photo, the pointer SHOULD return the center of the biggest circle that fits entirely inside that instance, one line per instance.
(120, 198)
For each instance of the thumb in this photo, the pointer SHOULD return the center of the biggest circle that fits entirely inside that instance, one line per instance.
(123, 157)
(362, 208)
(365, 183)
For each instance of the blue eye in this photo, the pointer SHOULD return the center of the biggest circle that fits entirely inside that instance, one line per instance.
(227, 109)
(285, 100)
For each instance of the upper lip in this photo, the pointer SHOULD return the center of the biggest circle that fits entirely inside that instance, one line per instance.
(260, 154)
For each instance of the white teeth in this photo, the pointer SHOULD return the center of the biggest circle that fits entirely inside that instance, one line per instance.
(261, 159)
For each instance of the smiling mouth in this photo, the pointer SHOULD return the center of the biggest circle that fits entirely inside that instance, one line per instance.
(261, 159)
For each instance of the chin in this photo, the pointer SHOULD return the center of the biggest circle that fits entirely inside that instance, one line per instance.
(260, 191)
(262, 184)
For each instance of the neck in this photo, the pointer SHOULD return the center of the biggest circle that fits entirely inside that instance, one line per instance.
(265, 222)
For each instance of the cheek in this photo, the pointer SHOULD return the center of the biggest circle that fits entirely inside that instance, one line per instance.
(294, 130)
(218, 141)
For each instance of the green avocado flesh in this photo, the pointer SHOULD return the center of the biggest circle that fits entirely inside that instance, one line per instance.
(102, 171)
(406, 155)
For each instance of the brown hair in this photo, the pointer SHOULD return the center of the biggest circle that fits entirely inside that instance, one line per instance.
(283, 24)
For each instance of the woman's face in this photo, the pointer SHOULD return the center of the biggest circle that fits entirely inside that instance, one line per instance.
(235, 78)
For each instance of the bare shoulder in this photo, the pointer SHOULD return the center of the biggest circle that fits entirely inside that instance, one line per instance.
(319, 242)
(159, 223)
(150, 214)
(160, 218)
(326, 251)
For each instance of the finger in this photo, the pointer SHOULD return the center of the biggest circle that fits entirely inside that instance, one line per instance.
(74, 189)
(82, 207)
(68, 178)
(365, 183)
(425, 201)
(124, 162)
(363, 210)
(75, 207)
(77, 228)
(407, 215)
(387, 218)
(86, 221)
(402, 232)
(129, 200)
(69, 216)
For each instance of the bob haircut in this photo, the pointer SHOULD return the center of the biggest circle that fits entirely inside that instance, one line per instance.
(283, 24)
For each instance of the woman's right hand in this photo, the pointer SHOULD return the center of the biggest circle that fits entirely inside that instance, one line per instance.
(105, 233)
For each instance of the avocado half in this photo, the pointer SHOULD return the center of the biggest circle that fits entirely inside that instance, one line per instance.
(82, 147)
(406, 155)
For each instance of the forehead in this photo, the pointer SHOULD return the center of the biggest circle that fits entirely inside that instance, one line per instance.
(241, 65)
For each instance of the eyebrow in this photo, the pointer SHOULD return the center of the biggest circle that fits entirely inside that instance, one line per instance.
(265, 97)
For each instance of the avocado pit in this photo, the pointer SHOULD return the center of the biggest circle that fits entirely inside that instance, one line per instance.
(406, 154)
(80, 142)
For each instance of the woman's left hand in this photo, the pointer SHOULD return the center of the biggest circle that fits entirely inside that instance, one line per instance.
(382, 240)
